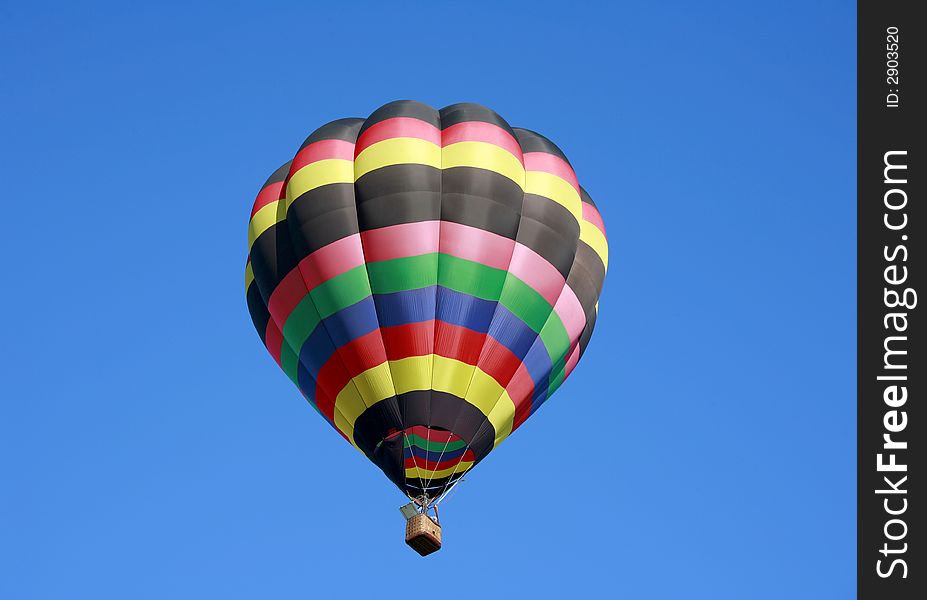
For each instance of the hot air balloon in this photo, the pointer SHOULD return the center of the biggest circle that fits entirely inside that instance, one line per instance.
(428, 279)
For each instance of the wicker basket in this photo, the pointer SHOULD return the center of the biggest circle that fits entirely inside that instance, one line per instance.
(423, 534)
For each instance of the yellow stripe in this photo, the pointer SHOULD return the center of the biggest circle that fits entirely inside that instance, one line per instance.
(503, 412)
(491, 398)
(317, 174)
(261, 222)
(249, 276)
(397, 151)
(374, 384)
(348, 406)
(345, 428)
(453, 376)
(423, 473)
(483, 155)
(425, 373)
(412, 373)
(550, 186)
(593, 236)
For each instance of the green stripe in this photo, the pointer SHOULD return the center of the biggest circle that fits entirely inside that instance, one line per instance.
(401, 274)
(431, 446)
(289, 360)
(558, 374)
(471, 278)
(341, 291)
(524, 301)
(555, 337)
(297, 329)
(416, 272)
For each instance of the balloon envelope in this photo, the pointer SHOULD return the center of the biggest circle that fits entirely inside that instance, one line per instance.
(427, 278)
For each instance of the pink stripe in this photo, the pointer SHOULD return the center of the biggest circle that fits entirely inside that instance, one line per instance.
(591, 214)
(474, 244)
(322, 150)
(478, 131)
(520, 389)
(469, 243)
(539, 274)
(571, 362)
(269, 194)
(332, 260)
(571, 313)
(400, 241)
(542, 161)
(395, 128)
(286, 296)
(323, 264)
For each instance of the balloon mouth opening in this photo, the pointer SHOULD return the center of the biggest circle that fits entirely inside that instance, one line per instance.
(424, 460)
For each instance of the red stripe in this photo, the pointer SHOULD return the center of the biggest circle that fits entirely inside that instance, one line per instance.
(478, 131)
(273, 339)
(542, 161)
(498, 362)
(349, 361)
(288, 293)
(413, 339)
(322, 150)
(591, 214)
(362, 353)
(520, 390)
(416, 339)
(459, 343)
(433, 435)
(430, 465)
(325, 392)
(395, 128)
(269, 194)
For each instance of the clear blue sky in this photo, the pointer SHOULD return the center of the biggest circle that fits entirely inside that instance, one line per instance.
(149, 446)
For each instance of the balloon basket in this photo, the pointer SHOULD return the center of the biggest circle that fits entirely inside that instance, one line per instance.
(423, 535)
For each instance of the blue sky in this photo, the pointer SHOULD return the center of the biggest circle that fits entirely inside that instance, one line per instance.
(152, 449)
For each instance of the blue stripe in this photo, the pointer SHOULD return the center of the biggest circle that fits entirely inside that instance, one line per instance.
(434, 456)
(420, 305)
(352, 322)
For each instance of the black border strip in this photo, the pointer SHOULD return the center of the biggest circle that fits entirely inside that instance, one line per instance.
(891, 368)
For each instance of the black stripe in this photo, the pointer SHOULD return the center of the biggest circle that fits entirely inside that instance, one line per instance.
(588, 259)
(272, 258)
(531, 141)
(550, 230)
(321, 216)
(587, 333)
(481, 198)
(549, 244)
(468, 111)
(584, 196)
(406, 193)
(342, 129)
(584, 282)
(260, 316)
(278, 175)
